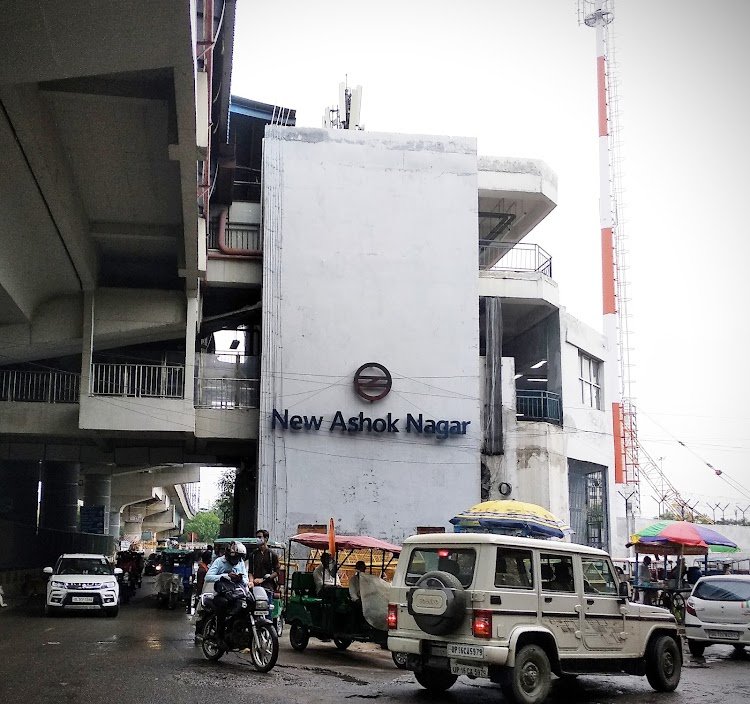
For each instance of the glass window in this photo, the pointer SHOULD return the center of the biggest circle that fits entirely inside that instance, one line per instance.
(84, 565)
(597, 576)
(723, 590)
(557, 573)
(589, 375)
(458, 562)
(513, 569)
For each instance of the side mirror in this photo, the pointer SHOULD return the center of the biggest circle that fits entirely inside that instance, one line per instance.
(118, 570)
(624, 589)
(47, 570)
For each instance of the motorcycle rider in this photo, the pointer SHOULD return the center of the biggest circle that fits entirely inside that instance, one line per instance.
(230, 566)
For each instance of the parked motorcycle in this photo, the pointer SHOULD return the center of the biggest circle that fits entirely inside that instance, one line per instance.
(248, 629)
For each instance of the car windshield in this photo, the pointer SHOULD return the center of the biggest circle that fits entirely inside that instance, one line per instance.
(723, 590)
(458, 562)
(84, 565)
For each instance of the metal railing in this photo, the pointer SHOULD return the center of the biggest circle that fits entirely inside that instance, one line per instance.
(538, 405)
(238, 237)
(39, 386)
(522, 257)
(138, 380)
(224, 393)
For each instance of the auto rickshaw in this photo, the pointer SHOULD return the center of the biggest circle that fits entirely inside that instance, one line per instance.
(251, 544)
(174, 581)
(331, 614)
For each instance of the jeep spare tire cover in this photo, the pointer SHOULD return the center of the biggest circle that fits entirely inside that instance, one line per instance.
(437, 602)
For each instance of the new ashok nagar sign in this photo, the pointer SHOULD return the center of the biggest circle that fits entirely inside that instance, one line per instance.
(372, 382)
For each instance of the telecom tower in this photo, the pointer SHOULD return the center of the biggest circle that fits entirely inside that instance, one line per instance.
(599, 14)
(347, 115)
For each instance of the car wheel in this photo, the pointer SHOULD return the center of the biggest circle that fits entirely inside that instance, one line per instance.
(112, 611)
(435, 681)
(49, 611)
(530, 679)
(399, 660)
(342, 643)
(738, 648)
(442, 586)
(696, 648)
(299, 636)
(663, 664)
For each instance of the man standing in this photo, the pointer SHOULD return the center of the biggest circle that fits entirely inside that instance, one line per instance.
(354, 588)
(264, 564)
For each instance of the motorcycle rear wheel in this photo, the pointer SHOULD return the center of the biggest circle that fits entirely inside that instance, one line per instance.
(209, 646)
(264, 650)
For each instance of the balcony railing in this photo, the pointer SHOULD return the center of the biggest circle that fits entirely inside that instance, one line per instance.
(522, 257)
(224, 393)
(538, 405)
(138, 380)
(245, 238)
(39, 386)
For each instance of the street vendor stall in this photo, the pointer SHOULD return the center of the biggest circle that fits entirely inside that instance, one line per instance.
(676, 539)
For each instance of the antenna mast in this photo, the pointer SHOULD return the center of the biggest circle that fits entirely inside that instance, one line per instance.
(347, 115)
(599, 14)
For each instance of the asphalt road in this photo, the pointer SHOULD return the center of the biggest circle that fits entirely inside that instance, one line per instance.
(147, 655)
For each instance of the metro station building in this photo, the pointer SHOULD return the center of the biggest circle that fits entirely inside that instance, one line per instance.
(356, 321)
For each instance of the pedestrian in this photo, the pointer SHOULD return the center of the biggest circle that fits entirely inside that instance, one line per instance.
(264, 564)
(644, 580)
(2, 598)
(354, 588)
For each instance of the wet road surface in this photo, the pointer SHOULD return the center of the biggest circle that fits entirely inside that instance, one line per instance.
(147, 655)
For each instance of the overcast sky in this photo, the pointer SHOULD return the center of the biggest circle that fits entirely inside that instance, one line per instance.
(520, 77)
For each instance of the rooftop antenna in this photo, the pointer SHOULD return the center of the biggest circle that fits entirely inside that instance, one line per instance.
(345, 116)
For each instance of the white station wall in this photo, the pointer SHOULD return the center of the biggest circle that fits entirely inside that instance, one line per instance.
(370, 255)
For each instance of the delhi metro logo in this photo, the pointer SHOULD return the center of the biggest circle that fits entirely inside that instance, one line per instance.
(372, 381)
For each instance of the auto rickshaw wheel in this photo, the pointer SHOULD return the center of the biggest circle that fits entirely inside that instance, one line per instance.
(342, 643)
(299, 636)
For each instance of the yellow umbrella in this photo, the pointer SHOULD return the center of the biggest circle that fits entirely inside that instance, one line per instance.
(508, 516)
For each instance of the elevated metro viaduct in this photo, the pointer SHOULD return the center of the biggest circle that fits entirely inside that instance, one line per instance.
(113, 124)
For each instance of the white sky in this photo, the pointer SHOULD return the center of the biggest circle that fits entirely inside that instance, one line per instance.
(520, 77)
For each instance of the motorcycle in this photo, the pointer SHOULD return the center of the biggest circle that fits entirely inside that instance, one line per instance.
(247, 629)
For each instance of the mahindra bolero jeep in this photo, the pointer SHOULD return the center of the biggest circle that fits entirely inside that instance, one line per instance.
(516, 610)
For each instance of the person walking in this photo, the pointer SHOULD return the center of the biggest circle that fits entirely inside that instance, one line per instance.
(644, 580)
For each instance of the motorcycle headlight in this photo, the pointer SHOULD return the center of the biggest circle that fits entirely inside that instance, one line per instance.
(58, 585)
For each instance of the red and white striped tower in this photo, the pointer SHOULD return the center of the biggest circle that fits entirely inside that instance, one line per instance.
(599, 14)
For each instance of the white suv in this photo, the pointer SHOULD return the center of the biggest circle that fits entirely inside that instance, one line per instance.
(82, 581)
(515, 610)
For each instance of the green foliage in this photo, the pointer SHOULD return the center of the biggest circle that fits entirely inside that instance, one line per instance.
(205, 524)
(224, 505)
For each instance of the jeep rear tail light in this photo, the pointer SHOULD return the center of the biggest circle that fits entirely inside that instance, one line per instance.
(481, 624)
(392, 616)
(689, 607)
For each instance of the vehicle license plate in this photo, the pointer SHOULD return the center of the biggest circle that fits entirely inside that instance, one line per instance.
(459, 650)
(725, 635)
(82, 599)
(461, 668)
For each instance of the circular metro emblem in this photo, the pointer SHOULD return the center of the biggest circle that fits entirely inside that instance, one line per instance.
(372, 381)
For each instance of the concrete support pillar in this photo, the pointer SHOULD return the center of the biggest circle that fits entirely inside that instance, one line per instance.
(59, 504)
(114, 524)
(19, 491)
(97, 491)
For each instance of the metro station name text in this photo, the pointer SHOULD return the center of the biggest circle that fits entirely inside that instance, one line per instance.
(364, 424)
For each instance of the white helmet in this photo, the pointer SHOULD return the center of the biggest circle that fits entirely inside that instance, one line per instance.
(235, 552)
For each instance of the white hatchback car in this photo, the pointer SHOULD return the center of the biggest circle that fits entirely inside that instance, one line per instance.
(516, 610)
(82, 581)
(718, 611)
